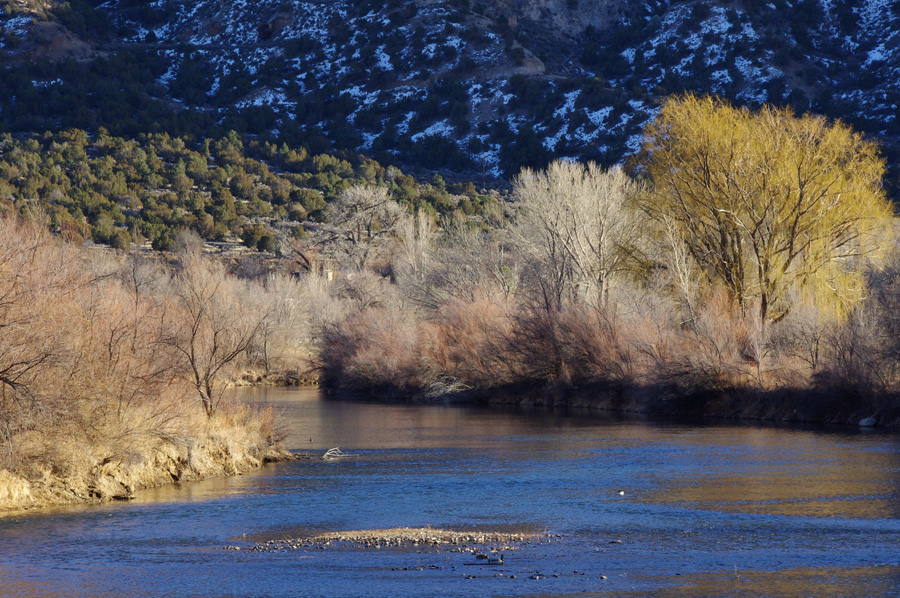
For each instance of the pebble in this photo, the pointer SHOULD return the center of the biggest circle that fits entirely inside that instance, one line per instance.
(403, 537)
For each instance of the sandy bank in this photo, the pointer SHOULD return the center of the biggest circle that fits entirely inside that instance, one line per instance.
(93, 475)
(254, 377)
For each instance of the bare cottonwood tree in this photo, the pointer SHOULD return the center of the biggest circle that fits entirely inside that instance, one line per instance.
(464, 263)
(361, 224)
(577, 228)
(212, 326)
(284, 329)
(417, 236)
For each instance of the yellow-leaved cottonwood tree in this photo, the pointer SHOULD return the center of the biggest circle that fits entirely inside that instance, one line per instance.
(765, 200)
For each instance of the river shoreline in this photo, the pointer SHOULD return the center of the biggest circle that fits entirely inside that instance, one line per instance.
(847, 407)
(227, 449)
(220, 451)
(218, 455)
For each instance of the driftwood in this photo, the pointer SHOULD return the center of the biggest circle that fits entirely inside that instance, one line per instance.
(335, 453)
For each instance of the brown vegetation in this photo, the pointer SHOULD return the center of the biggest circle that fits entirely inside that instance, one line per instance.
(746, 279)
(101, 356)
(755, 275)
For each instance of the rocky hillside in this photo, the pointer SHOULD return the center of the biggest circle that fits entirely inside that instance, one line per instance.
(478, 87)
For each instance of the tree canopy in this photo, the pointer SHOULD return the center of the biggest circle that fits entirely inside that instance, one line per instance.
(766, 200)
(576, 226)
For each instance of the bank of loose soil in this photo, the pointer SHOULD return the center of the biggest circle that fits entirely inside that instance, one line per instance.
(275, 378)
(118, 479)
(95, 476)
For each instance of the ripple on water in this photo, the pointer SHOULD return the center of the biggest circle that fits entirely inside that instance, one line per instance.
(706, 511)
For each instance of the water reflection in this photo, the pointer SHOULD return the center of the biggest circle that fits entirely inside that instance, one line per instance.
(739, 469)
(822, 583)
(699, 511)
(798, 474)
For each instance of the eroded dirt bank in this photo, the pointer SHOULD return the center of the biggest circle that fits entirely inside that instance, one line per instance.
(97, 475)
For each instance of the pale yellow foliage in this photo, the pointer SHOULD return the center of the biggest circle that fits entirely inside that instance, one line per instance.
(766, 200)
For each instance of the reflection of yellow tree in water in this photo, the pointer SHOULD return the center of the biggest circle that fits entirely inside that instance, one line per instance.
(804, 475)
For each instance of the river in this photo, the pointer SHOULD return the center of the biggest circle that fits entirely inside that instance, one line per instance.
(640, 508)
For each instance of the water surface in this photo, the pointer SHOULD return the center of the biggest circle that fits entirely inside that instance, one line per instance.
(657, 509)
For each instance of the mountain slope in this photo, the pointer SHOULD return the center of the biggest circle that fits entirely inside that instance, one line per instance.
(485, 86)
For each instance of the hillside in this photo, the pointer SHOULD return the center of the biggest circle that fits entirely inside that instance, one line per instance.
(474, 87)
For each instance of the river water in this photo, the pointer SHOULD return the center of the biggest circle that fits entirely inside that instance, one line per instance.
(658, 509)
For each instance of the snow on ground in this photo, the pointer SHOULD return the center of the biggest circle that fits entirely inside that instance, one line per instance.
(747, 70)
(599, 117)
(311, 20)
(874, 15)
(720, 78)
(455, 42)
(403, 128)
(18, 25)
(366, 98)
(491, 158)
(515, 122)
(710, 41)
(368, 140)
(265, 97)
(384, 60)
(634, 143)
(405, 93)
(749, 32)
(585, 136)
(167, 77)
(442, 128)
(569, 105)
(550, 143)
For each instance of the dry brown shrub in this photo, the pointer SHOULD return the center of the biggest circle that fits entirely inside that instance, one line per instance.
(855, 355)
(378, 346)
(38, 315)
(91, 404)
(594, 345)
(719, 348)
(469, 343)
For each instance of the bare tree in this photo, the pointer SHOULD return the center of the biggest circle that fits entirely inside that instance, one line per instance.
(417, 236)
(284, 329)
(465, 263)
(361, 223)
(576, 227)
(37, 279)
(213, 326)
